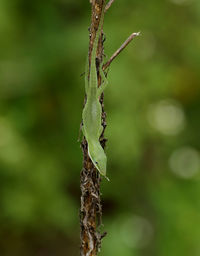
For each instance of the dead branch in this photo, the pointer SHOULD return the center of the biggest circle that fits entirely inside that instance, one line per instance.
(128, 40)
(109, 5)
(91, 212)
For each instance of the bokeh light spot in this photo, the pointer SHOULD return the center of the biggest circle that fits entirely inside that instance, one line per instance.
(181, 2)
(185, 162)
(167, 117)
(136, 232)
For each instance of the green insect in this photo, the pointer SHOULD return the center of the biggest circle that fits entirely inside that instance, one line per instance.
(92, 127)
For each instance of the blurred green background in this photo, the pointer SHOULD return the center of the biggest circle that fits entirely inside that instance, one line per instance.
(152, 204)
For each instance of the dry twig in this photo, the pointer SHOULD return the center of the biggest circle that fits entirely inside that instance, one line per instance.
(128, 40)
(90, 212)
(109, 5)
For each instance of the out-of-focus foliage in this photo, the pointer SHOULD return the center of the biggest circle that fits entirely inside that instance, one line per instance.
(151, 206)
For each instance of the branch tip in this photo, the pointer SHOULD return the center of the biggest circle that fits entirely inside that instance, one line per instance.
(137, 33)
(126, 42)
(108, 5)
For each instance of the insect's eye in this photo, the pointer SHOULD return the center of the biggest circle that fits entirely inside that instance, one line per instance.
(96, 162)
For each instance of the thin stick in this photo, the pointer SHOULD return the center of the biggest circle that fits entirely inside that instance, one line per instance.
(128, 40)
(91, 210)
(108, 5)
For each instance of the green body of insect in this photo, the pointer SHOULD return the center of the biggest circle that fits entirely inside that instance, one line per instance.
(92, 127)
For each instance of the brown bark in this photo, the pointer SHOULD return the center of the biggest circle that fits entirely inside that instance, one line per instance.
(91, 211)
